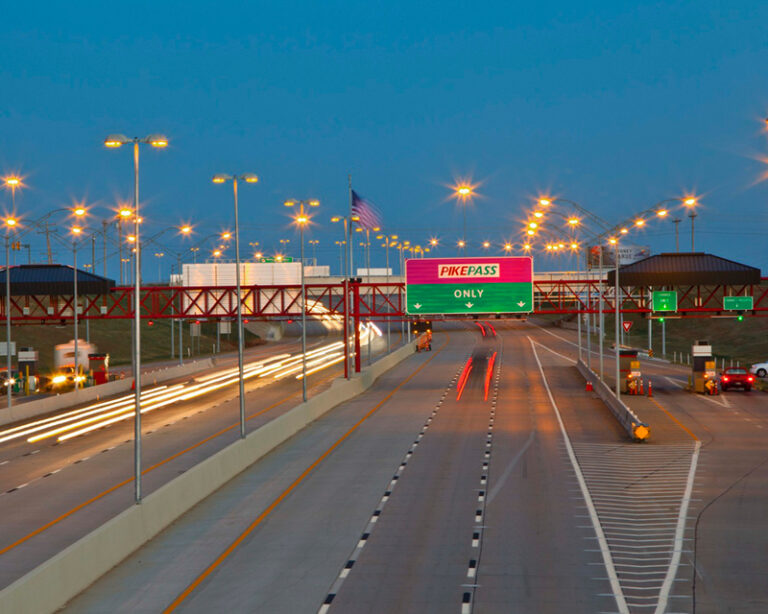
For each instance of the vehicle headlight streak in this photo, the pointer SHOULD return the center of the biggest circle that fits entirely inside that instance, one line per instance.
(81, 421)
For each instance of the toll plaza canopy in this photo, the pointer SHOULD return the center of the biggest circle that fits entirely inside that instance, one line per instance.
(685, 269)
(53, 279)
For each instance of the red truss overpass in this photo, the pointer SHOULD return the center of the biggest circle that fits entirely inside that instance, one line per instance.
(364, 301)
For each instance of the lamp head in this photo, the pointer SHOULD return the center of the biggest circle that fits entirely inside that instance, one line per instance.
(116, 140)
(250, 178)
(220, 178)
(157, 140)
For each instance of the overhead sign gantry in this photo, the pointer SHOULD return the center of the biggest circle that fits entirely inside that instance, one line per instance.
(466, 286)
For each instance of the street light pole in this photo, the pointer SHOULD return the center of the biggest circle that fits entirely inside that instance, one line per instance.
(9, 223)
(248, 178)
(302, 219)
(76, 231)
(117, 140)
(616, 323)
(692, 215)
(676, 221)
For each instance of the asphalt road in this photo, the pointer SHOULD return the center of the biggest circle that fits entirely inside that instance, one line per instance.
(406, 499)
(426, 501)
(727, 530)
(51, 493)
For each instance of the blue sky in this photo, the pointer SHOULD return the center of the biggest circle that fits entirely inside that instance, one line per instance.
(615, 105)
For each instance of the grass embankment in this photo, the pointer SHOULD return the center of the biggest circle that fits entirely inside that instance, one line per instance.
(114, 338)
(745, 342)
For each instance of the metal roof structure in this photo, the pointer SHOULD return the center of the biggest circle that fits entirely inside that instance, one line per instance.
(685, 269)
(53, 279)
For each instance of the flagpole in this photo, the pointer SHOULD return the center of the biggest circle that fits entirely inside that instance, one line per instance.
(350, 258)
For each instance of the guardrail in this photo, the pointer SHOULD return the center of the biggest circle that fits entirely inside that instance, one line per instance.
(636, 428)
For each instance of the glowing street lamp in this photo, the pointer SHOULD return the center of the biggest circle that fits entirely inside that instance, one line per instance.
(115, 141)
(464, 192)
(301, 219)
(76, 232)
(691, 203)
(10, 226)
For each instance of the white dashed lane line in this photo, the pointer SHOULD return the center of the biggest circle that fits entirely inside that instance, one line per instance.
(352, 559)
(468, 596)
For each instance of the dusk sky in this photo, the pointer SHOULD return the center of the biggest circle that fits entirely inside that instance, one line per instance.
(615, 105)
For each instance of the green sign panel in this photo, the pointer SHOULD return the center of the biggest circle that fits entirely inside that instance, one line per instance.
(469, 285)
(664, 301)
(271, 259)
(738, 303)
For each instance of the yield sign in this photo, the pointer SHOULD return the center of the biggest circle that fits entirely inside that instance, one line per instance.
(627, 324)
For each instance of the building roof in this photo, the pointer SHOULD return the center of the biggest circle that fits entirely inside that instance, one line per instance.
(686, 269)
(53, 279)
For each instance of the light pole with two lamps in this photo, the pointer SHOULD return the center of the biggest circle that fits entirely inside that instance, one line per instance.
(158, 141)
(248, 178)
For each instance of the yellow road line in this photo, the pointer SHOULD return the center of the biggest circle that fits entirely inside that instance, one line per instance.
(103, 494)
(260, 518)
(680, 424)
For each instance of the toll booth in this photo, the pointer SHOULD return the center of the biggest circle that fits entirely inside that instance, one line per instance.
(28, 358)
(99, 368)
(704, 373)
(629, 368)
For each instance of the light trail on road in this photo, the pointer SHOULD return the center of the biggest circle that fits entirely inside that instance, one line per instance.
(78, 422)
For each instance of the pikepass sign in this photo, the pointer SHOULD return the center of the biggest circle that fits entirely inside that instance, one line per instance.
(469, 285)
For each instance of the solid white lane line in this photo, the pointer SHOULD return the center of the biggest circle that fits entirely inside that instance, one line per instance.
(604, 550)
(672, 572)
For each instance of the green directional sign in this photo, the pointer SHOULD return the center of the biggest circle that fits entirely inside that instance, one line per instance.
(738, 303)
(469, 285)
(272, 259)
(663, 300)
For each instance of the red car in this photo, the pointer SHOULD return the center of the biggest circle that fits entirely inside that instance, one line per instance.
(736, 376)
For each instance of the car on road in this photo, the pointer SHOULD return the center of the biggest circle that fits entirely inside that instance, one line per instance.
(736, 377)
(760, 369)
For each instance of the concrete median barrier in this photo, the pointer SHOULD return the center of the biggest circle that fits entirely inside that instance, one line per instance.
(636, 428)
(53, 583)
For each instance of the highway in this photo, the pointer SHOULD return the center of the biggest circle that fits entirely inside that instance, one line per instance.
(409, 500)
(55, 489)
(523, 494)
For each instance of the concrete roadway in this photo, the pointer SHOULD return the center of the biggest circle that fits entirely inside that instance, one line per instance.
(426, 503)
(729, 533)
(53, 494)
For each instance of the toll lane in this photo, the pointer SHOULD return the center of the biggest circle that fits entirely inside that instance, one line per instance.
(727, 535)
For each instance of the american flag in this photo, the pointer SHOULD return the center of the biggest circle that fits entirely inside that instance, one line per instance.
(369, 214)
